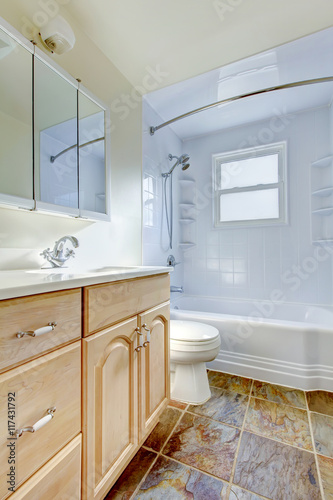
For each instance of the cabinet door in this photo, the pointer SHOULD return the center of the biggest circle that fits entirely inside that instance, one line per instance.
(16, 168)
(26, 394)
(59, 479)
(154, 386)
(110, 406)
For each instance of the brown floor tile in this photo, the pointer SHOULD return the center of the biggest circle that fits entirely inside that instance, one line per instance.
(326, 474)
(177, 404)
(281, 422)
(224, 406)
(229, 382)
(320, 402)
(279, 394)
(171, 480)
(207, 445)
(276, 470)
(127, 483)
(161, 432)
(322, 426)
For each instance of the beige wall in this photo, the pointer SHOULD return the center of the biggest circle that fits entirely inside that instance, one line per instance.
(23, 234)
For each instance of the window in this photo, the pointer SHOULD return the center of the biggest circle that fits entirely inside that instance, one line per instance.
(250, 186)
(149, 200)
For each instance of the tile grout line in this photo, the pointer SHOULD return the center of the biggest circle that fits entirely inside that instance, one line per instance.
(321, 488)
(253, 432)
(232, 474)
(173, 428)
(242, 429)
(158, 454)
(268, 400)
(279, 403)
(198, 415)
(281, 441)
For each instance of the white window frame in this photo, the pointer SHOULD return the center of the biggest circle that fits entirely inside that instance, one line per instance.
(279, 148)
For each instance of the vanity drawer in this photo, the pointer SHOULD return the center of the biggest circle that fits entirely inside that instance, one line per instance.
(53, 380)
(32, 313)
(109, 303)
(59, 479)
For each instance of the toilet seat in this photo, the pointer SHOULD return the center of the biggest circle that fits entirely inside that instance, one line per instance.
(190, 345)
(184, 332)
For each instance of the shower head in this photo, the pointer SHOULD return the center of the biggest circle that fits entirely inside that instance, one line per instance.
(181, 160)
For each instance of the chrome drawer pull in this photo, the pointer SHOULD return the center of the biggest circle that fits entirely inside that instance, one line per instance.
(148, 335)
(39, 331)
(39, 424)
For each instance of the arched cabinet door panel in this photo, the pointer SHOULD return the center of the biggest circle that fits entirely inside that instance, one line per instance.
(110, 405)
(154, 387)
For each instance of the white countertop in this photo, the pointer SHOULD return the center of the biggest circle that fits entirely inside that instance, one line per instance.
(29, 282)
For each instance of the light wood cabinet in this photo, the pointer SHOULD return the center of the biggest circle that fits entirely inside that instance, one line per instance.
(107, 304)
(35, 312)
(52, 381)
(120, 369)
(59, 479)
(110, 395)
(125, 388)
(153, 367)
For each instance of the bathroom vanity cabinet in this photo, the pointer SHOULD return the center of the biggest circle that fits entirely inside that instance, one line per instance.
(125, 374)
(110, 344)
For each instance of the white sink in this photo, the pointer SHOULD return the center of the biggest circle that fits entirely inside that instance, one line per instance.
(97, 270)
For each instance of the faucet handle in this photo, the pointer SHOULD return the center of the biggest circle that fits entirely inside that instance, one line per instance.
(171, 261)
(69, 253)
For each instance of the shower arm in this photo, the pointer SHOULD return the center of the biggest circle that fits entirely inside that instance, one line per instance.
(53, 158)
(302, 83)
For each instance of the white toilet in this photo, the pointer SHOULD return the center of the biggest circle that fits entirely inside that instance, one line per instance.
(192, 344)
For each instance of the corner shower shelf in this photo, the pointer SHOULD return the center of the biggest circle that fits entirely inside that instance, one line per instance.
(186, 205)
(323, 192)
(185, 246)
(322, 201)
(323, 211)
(323, 162)
(187, 214)
(187, 181)
(186, 221)
(323, 242)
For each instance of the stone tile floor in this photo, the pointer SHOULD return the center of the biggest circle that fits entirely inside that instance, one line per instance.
(252, 440)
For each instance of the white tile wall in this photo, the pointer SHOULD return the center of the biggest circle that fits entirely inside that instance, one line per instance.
(251, 262)
(246, 262)
(155, 161)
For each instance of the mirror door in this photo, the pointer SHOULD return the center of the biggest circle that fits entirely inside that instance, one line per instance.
(16, 152)
(55, 137)
(93, 181)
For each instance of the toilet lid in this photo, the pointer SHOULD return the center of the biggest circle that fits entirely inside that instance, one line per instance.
(192, 331)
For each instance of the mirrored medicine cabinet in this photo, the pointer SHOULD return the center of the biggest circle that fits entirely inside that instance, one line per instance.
(54, 142)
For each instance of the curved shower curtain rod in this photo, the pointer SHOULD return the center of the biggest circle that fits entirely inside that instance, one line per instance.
(242, 96)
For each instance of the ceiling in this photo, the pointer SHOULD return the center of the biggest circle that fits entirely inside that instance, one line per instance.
(158, 43)
(304, 59)
(180, 39)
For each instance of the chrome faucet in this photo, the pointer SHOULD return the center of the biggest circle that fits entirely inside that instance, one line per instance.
(60, 254)
(178, 289)
(171, 261)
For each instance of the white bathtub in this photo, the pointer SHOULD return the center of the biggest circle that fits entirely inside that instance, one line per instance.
(287, 344)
